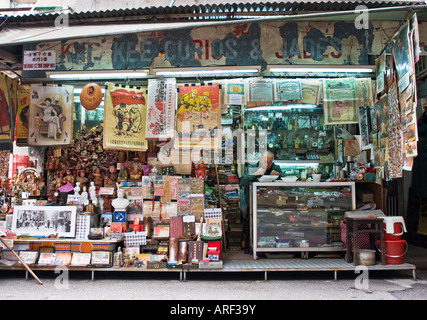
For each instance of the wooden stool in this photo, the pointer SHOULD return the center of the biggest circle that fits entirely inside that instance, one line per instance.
(352, 231)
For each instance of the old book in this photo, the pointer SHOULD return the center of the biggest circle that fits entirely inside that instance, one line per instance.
(195, 251)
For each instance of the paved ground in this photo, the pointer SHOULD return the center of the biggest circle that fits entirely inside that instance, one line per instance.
(390, 285)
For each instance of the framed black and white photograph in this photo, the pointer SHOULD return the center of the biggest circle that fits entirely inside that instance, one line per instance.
(44, 221)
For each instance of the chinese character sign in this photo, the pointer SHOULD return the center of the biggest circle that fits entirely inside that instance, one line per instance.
(161, 109)
(39, 60)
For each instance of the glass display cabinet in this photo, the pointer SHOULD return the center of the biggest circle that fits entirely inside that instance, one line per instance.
(299, 217)
(290, 132)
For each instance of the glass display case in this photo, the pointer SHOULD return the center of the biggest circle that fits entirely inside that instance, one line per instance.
(300, 216)
(290, 132)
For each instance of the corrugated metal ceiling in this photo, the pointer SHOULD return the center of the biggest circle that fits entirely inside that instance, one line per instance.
(197, 9)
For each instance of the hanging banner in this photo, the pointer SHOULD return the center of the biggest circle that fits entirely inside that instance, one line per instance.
(51, 110)
(6, 108)
(198, 117)
(340, 101)
(161, 109)
(124, 117)
(23, 115)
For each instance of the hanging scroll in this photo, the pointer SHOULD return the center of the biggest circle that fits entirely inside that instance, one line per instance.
(161, 109)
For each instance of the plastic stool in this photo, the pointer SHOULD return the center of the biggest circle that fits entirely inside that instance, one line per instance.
(389, 224)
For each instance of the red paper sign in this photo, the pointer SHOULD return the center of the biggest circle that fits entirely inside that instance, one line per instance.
(127, 97)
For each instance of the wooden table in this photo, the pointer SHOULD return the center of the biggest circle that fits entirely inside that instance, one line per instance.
(375, 227)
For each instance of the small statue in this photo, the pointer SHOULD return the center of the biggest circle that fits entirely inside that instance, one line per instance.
(120, 203)
(69, 178)
(92, 193)
(77, 189)
(82, 178)
(85, 197)
(135, 169)
(118, 258)
(123, 175)
(98, 178)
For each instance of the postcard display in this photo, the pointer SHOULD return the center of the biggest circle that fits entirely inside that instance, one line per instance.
(161, 219)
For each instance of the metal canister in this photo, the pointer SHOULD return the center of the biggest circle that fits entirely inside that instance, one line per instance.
(337, 169)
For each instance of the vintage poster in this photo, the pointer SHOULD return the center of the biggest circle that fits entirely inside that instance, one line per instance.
(380, 72)
(364, 125)
(310, 91)
(198, 117)
(161, 109)
(51, 110)
(383, 116)
(364, 96)
(415, 37)
(288, 90)
(6, 108)
(402, 54)
(124, 118)
(23, 115)
(340, 101)
(235, 92)
(261, 93)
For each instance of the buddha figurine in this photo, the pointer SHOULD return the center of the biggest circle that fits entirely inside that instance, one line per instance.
(135, 169)
(82, 178)
(98, 180)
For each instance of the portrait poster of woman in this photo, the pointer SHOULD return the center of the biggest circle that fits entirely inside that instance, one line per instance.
(51, 119)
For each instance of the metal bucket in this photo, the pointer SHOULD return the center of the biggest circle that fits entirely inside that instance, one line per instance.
(366, 257)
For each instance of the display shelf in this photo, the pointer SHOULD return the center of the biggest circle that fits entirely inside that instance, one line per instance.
(244, 265)
(299, 217)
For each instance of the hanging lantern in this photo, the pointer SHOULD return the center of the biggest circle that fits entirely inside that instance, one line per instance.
(91, 96)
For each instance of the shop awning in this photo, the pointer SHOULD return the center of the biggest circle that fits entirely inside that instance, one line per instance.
(21, 35)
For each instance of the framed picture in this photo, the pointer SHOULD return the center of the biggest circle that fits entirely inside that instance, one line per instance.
(80, 259)
(63, 258)
(29, 257)
(47, 258)
(44, 221)
(101, 257)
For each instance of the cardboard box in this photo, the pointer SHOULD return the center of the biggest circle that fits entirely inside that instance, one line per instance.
(364, 194)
